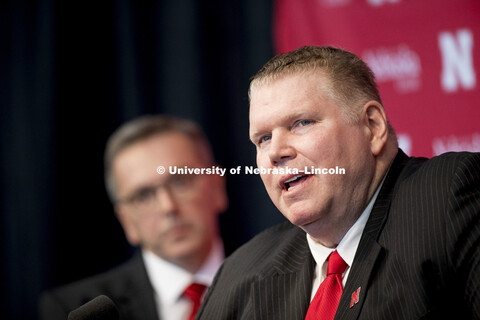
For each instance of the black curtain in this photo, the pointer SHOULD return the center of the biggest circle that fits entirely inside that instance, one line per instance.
(70, 73)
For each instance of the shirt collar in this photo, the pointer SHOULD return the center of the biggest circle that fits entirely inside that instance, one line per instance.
(169, 280)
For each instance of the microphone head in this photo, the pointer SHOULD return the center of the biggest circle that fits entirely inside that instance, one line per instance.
(100, 308)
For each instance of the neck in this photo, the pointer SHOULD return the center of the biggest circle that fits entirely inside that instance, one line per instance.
(194, 262)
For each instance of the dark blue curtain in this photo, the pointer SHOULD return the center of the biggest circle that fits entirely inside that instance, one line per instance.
(70, 73)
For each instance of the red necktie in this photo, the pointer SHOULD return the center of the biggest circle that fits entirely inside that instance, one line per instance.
(325, 303)
(194, 292)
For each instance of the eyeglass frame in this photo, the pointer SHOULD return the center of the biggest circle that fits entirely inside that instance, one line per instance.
(181, 187)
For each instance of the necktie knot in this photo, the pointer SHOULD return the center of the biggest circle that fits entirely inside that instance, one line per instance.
(194, 293)
(336, 265)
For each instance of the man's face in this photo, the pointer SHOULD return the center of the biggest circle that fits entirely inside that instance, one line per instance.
(294, 123)
(181, 224)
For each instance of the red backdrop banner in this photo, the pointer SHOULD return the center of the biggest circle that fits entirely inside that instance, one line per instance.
(425, 56)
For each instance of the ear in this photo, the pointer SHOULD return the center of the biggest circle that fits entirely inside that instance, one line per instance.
(376, 125)
(128, 224)
(220, 192)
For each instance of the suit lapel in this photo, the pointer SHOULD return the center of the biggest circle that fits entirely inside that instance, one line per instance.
(136, 296)
(139, 305)
(283, 291)
(369, 251)
(357, 284)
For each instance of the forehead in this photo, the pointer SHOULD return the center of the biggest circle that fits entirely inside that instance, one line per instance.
(164, 147)
(287, 95)
(137, 163)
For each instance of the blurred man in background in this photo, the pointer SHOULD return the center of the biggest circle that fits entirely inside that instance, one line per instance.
(172, 218)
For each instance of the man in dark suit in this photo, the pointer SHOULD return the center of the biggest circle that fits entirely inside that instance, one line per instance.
(390, 237)
(172, 217)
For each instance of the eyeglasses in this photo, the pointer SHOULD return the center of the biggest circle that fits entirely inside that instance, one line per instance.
(180, 187)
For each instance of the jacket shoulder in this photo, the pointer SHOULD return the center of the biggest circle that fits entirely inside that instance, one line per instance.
(113, 283)
(440, 169)
(256, 256)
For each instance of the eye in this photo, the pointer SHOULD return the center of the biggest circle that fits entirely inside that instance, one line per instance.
(303, 123)
(264, 139)
(300, 124)
(180, 182)
(144, 195)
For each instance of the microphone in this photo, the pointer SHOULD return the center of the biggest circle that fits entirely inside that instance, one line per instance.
(100, 308)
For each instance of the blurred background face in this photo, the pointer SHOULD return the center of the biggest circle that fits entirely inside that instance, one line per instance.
(294, 123)
(174, 216)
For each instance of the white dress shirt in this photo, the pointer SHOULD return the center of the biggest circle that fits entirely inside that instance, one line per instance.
(169, 281)
(346, 248)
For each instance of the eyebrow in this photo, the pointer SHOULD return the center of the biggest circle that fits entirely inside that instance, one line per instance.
(255, 136)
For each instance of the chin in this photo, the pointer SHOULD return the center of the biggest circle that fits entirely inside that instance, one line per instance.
(192, 245)
(180, 254)
(299, 218)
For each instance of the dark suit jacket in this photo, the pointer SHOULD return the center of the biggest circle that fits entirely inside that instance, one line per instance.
(418, 258)
(127, 285)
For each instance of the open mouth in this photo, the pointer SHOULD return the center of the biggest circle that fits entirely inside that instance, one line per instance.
(294, 181)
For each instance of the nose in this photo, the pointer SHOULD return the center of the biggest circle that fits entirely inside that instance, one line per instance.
(166, 202)
(280, 149)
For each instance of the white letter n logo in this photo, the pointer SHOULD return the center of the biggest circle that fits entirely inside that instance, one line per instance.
(457, 61)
